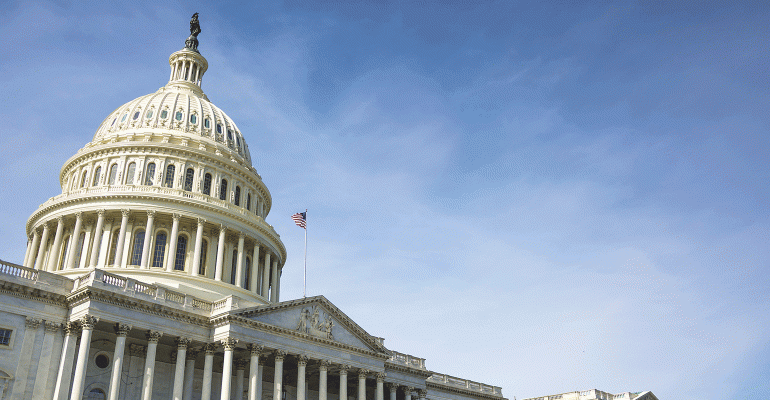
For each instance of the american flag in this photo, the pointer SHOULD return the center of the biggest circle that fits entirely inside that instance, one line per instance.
(300, 219)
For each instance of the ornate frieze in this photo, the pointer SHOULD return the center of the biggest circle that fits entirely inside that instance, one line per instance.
(314, 324)
(32, 323)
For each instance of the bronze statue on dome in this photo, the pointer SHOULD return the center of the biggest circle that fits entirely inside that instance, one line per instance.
(195, 28)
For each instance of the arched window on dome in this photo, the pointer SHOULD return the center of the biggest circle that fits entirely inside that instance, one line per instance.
(136, 115)
(150, 175)
(233, 267)
(193, 119)
(79, 249)
(181, 253)
(230, 138)
(238, 141)
(84, 179)
(202, 261)
(169, 181)
(113, 248)
(148, 115)
(237, 195)
(97, 175)
(160, 250)
(178, 116)
(113, 174)
(248, 201)
(247, 277)
(207, 123)
(188, 179)
(207, 184)
(124, 117)
(136, 251)
(164, 114)
(131, 173)
(219, 128)
(223, 190)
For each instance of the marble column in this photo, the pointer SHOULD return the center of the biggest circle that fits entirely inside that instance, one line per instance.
(196, 265)
(379, 392)
(42, 381)
(97, 242)
(266, 276)
(240, 366)
(149, 363)
(121, 330)
(278, 376)
(344, 382)
(181, 359)
(362, 373)
(393, 390)
(278, 282)
(147, 240)
(41, 250)
(254, 376)
(189, 374)
(274, 292)
(301, 367)
(220, 253)
(78, 381)
(171, 257)
(239, 264)
(121, 238)
(64, 373)
(408, 392)
(29, 262)
(227, 366)
(24, 362)
(56, 247)
(208, 371)
(254, 269)
(323, 370)
(74, 239)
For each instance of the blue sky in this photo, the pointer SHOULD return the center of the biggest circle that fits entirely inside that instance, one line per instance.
(544, 196)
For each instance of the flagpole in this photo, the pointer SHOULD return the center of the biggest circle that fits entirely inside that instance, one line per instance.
(304, 278)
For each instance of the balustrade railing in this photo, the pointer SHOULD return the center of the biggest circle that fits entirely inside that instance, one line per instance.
(19, 271)
(408, 360)
(465, 383)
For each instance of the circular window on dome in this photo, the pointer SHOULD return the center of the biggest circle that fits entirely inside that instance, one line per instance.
(102, 361)
(149, 114)
(136, 115)
(178, 116)
(193, 119)
(164, 114)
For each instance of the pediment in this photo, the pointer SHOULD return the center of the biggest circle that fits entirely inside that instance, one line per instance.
(316, 317)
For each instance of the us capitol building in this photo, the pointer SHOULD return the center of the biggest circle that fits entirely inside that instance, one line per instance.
(154, 275)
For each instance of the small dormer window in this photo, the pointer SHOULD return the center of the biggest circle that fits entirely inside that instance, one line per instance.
(193, 119)
(136, 115)
(149, 114)
(164, 114)
(207, 123)
(219, 128)
(178, 116)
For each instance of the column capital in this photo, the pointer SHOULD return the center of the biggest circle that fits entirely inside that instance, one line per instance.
(46, 225)
(325, 364)
(392, 386)
(60, 220)
(255, 349)
(229, 343)
(201, 221)
(380, 376)
(176, 216)
(101, 212)
(88, 321)
(125, 212)
(222, 228)
(408, 389)
(301, 359)
(32, 323)
(191, 354)
(363, 373)
(52, 327)
(210, 348)
(182, 343)
(122, 329)
(422, 393)
(153, 336)
(280, 355)
(136, 350)
(240, 364)
(71, 328)
(344, 369)
(79, 215)
(151, 214)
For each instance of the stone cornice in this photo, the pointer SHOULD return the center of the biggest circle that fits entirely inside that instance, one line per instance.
(357, 331)
(231, 319)
(455, 389)
(32, 293)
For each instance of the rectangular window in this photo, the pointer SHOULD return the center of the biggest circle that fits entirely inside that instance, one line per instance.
(5, 337)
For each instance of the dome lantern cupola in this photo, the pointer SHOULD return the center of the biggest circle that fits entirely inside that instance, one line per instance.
(188, 65)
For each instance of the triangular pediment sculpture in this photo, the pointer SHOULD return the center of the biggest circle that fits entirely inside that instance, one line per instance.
(315, 317)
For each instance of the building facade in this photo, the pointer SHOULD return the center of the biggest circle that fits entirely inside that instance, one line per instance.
(595, 394)
(154, 275)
